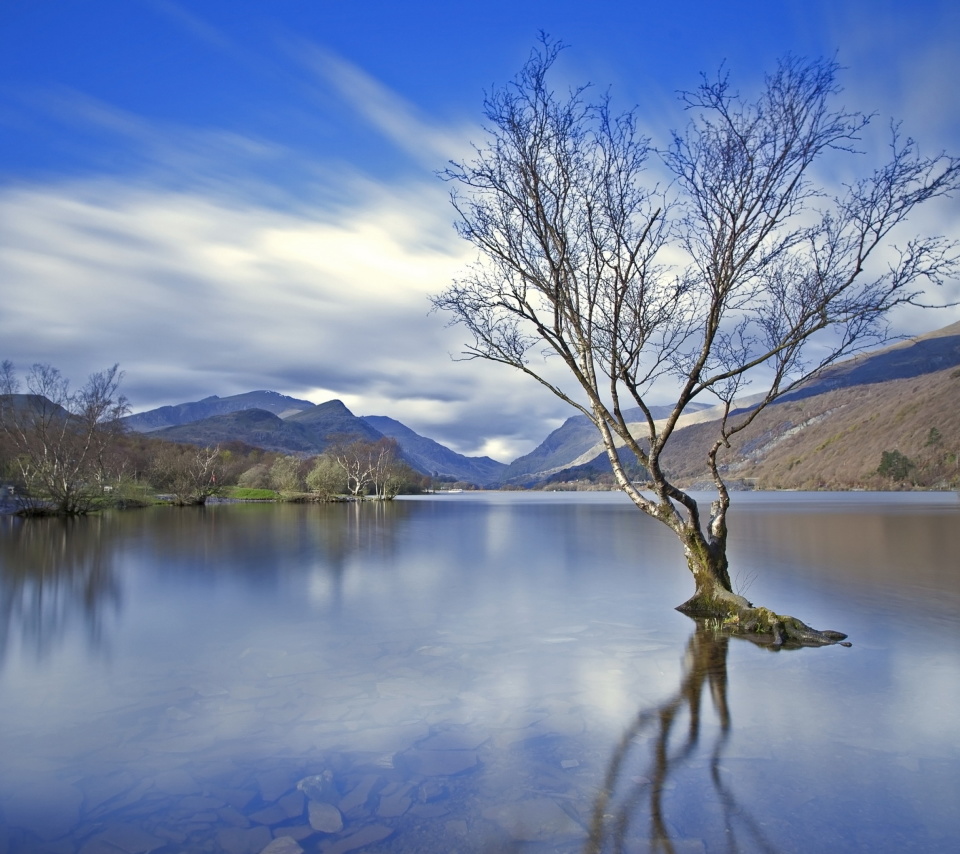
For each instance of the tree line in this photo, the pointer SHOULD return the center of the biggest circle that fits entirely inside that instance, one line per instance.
(66, 451)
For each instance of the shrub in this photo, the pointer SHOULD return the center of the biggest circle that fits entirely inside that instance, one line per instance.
(895, 465)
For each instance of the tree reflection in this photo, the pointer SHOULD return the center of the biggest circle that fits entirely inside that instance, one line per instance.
(54, 573)
(628, 793)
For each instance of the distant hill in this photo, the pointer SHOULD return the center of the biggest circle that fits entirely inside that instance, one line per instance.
(299, 427)
(828, 434)
(308, 432)
(187, 413)
(832, 434)
(916, 357)
(574, 444)
(435, 459)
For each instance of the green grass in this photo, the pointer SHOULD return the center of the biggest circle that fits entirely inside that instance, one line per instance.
(246, 494)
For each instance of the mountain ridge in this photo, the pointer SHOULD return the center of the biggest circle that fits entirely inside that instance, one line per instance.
(187, 413)
(883, 377)
(435, 459)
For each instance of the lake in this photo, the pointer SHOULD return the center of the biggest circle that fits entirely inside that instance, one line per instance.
(477, 672)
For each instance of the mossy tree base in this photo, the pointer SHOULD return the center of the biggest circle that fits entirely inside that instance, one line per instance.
(734, 615)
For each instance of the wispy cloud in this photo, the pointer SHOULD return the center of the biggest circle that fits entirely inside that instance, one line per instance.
(398, 120)
(194, 25)
(195, 296)
(261, 251)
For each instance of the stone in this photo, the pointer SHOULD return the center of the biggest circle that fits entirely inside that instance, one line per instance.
(273, 785)
(292, 804)
(395, 800)
(199, 803)
(100, 790)
(234, 818)
(441, 763)
(359, 794)
(361, 839)
(176, 782)
(324, 817)
(319, 787)
(533, 820)
(283, 845)
(296, 831)
(236, 840)
(433, 790)
(273, 814)
(126, 838)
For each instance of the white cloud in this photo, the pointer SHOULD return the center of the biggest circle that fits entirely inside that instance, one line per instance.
(202, 274)
(196, 295)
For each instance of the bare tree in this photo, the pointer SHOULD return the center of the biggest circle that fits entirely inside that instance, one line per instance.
(743, 270)
(372, 466)
(354, 459)
(389, 471)
(190, 474)
(60, 437)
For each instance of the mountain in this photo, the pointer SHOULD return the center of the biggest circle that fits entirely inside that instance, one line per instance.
(310, 431)
(916, 357)
(830, 433)
(435, 459)
(307, 429)
(575, 443)
(187, 413)
(834, 432)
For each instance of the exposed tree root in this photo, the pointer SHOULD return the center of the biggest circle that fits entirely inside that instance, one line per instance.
(732, 614)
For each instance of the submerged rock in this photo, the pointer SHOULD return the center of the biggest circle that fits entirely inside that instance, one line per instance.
(122, 838)
(319, 787)
(325, 817)
(441, 763)
(283, 845)
(361, 839)
(533, 820)
(238, 840)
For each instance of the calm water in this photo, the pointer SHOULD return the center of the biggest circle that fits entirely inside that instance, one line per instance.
(476, 673)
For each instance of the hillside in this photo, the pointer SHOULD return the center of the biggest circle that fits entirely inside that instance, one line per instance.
(829, 434)
(432, 458)
(836, 440)
(833, 432)
(187, 413)
(574, 444)
(308, 432)
(311, 429)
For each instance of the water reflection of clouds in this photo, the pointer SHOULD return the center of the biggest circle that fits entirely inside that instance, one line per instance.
(229, 645)
(927, 692)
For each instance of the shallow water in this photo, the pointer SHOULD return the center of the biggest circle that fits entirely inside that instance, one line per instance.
(476, 672)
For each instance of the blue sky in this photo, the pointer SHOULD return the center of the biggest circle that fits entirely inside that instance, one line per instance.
(226, 195)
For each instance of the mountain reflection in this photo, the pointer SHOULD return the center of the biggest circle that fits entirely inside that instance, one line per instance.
(653, 751)
(55, 574)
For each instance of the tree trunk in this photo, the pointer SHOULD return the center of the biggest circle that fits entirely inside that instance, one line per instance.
(714, 601)
(706, 555)
(707, 563)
